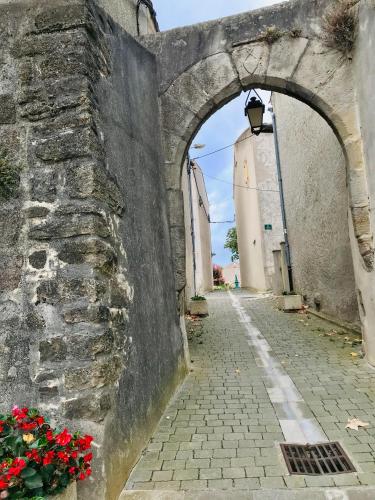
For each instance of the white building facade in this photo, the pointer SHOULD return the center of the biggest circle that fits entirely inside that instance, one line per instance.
(199, 276)
(257, 207)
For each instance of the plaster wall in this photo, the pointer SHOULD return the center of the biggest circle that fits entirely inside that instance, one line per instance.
(155, 363)
(316, 203)
(230, 272)
(201, 210)
(202, 233)
(257, 203)
(189, 261)
(364, 72)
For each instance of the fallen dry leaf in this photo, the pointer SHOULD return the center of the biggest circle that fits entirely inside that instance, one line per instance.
(329, 334)
(355, 423)
(238, 371)
(354, 354)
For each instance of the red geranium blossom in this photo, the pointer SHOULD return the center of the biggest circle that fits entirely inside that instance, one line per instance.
(63, 438)
(28, 440)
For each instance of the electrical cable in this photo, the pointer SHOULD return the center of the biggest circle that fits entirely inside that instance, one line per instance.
(243, 187)
(222, 149)
(223, 222)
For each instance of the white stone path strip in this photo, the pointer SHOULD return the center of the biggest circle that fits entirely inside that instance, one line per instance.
(295, 427)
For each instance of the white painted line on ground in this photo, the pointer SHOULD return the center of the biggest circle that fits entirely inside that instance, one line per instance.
(295, 427)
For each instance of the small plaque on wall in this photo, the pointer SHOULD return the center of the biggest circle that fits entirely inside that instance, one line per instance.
(268, 227)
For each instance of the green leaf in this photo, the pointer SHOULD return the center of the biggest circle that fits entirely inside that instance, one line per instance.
(34, 482)
(43, 441)
(28, 472)
(47, 471)
(64, 479)
(18, 494)
(37, 493)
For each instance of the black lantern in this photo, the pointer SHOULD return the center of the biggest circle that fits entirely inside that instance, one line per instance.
(254, 110)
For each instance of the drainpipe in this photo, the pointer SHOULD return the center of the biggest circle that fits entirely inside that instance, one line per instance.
(282, 201)
(189, 167)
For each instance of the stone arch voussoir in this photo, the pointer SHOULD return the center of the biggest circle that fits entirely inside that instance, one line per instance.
(300, 67)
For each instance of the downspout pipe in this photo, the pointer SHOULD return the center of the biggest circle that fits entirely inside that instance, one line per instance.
(192, 223)
(282, 201)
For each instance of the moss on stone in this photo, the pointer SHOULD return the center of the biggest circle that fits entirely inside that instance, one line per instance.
(9, 177)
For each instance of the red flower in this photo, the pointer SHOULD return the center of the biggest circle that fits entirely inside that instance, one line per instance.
(49, 456)
(88, 472)
(82, 476)
(74, 454)
(63, 456)
(49, 435)
(16, 469)
(20, 462)
(3, 484)
(40, 420)
(27, 426)
(88, 457)
(72, 471)
(63, 438)
(34, 455)
(19, 414)
(85, 442)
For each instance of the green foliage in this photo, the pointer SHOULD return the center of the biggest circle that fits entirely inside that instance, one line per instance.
(272, 34)
(9, 177)
(198, 298)
(340, 26)
(232, 244)
(37, 460)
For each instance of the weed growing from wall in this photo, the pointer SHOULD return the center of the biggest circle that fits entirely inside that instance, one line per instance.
(272, 34)
(340, 26)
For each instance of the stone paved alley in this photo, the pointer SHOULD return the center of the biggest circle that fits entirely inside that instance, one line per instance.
(260, 377)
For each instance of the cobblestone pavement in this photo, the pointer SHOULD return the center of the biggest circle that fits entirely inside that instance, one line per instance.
(255, 383)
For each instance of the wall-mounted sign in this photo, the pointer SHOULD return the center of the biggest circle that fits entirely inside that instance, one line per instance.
(268, 227)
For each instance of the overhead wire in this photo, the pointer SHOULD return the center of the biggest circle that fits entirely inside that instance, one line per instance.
(201, 203)
(222, 149)
(240, 186)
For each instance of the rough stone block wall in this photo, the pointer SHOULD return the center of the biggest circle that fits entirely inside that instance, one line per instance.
(89, 331)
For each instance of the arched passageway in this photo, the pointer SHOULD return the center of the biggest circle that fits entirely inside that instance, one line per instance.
(202, 67)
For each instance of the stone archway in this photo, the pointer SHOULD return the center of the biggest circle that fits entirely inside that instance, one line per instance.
(202, 67)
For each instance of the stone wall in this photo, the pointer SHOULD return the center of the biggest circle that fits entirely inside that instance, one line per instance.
(316, 203)
(89, 331)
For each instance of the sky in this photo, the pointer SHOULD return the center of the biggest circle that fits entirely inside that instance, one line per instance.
(225, 126)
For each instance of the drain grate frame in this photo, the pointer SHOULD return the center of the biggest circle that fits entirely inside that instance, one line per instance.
(317, 459)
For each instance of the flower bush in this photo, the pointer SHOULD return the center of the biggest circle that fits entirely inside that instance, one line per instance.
(37, 460)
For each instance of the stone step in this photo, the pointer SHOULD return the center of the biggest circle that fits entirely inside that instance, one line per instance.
(358, 493)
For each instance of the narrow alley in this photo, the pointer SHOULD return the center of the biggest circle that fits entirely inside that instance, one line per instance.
(261, 377)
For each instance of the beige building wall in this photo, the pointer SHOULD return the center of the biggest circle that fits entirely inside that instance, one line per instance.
(230, 272)
(202, 233)
(316, 204)
(257, 204)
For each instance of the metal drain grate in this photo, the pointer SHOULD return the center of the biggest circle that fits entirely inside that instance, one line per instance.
(316, 460)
